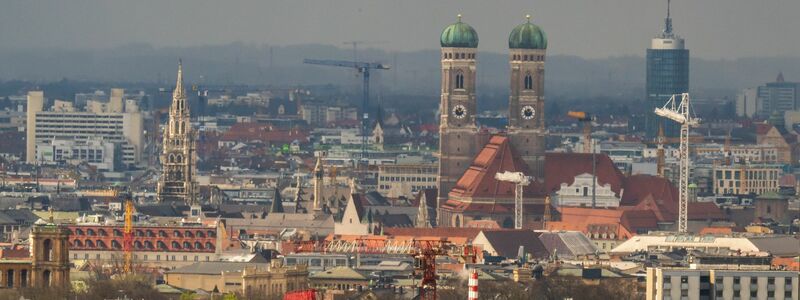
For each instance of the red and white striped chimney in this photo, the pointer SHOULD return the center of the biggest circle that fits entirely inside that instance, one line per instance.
(473, 286)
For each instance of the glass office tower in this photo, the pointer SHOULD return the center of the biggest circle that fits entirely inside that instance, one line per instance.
(667, 74)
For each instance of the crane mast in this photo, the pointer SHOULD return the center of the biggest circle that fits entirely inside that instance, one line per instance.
(128, 237)
(520, 181)
(678, 109)
(363, 68)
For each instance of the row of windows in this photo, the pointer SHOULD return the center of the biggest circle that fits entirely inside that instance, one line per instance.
(148, 233)
(408, 178)
(146, 245)
(758, 175)
(527, 57)
(459, 55)
(146, 257)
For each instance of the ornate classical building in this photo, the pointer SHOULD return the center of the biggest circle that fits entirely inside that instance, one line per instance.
(178, 157)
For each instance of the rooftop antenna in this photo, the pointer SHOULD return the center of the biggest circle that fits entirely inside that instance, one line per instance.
(668, 21)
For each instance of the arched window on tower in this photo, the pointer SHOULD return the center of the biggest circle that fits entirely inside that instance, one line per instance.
(48, 250)
(459, 80)
(528, 82)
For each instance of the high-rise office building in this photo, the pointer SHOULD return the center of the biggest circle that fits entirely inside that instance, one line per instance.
(778, 96)
(667, 74)
(62, 125)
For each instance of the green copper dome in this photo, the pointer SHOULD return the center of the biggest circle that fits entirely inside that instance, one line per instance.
(459, 35)
(527, 36)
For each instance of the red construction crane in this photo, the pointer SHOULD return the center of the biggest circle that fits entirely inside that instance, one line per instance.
(424, 253)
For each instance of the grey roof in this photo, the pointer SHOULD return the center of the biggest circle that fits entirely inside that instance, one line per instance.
(568, 244)
(780, 245)
(21, 216)
(162, 210)
(507, 242)
(214, 267)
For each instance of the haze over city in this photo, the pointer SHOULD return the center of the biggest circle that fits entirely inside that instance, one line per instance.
(414, 150)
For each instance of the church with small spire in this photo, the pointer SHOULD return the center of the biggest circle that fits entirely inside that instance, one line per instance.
(177, 182)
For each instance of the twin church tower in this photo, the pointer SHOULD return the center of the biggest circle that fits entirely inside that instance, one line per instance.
(459, 136)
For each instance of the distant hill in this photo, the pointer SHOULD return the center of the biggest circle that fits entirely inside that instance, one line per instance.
(413, 73)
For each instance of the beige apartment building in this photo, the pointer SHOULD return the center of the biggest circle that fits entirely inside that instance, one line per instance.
(742, 179)
(238, 277)
(405, 180)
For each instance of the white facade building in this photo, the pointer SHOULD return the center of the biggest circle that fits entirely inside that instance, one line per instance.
(696, 284)
(579, 193)
(62, 122)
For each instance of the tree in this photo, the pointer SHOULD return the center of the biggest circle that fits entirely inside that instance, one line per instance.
(187, 295)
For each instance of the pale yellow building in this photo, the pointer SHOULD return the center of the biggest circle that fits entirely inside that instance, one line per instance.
(238, 277)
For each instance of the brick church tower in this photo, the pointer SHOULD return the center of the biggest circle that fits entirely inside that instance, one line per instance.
(527, 45)
(459, 140)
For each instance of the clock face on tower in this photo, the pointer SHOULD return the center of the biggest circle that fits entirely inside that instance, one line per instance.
(459, 111)
(528, 112)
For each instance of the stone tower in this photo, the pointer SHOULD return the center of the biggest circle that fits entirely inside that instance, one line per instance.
(178, 156)
(49, 255)
(458, 133)
(526, 129)
(319, 172)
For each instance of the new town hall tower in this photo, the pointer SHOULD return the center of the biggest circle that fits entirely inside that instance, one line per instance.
(178, 156)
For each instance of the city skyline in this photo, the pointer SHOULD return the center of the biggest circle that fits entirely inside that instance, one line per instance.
(713, 30)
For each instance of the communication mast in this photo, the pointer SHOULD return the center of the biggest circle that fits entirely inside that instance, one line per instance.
(680, 112)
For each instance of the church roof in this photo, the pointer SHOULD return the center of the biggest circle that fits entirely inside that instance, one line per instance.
(563, 167)
(479, 181)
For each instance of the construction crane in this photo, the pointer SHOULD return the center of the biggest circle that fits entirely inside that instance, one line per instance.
(363, 68)
(356, 43)
(424, 253)
(127, 237)
(586, 119)
(678, 110)
(520, 181)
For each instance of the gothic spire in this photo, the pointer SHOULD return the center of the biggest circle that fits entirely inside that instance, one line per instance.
(180, 92)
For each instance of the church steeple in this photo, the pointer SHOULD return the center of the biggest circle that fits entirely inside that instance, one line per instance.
(319, 172)
(178, 154)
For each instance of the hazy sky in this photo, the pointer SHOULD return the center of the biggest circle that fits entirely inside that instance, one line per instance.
(588, 28)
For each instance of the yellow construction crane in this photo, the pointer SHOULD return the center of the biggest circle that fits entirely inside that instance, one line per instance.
(128, 237)
(586, 119)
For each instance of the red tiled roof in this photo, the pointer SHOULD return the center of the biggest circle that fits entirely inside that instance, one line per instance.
(245, 132)
(482, 224)
(762, 128)
(704, 211)
(459, 206)
(716, 230)
(787, 180)
(563, 167)
(469, 233)
(638, 187)
(496, 156)
(636, 220)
